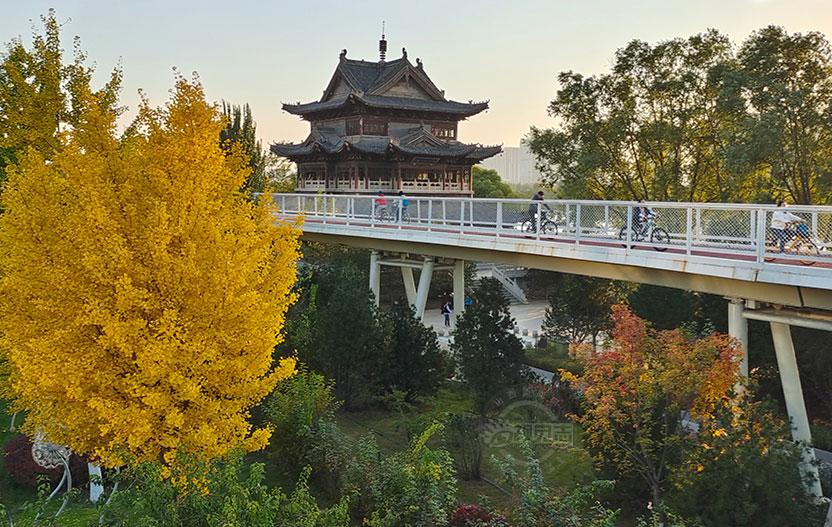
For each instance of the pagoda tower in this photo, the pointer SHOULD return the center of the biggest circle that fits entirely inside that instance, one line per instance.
(384, 126)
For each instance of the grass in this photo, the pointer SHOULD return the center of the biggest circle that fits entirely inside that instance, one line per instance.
(564, 466)
(552, 358)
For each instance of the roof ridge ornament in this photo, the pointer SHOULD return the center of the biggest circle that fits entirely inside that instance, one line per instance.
(382, 45)
(404, 53)
(343, 56)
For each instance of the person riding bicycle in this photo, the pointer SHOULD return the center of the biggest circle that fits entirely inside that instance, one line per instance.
(641, 215)
(381, 204)
(780, 221)
(533, 208)
(403, 202)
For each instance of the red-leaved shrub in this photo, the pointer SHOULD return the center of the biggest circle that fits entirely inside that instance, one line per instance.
(17, 454)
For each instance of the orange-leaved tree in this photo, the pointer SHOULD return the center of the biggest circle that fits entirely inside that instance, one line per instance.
(644, 393)
(142, 294)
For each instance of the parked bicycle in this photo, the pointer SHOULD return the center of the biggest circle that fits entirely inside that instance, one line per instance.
(548, 224)
(799, 242)
(647, 230)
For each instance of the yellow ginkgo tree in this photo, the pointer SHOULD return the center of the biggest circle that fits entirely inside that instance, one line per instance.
(141, 294)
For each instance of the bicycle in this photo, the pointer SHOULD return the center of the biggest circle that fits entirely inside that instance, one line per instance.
(405, 215)
(800, 242)
(649, 229)
(547, 223)
(382, 214)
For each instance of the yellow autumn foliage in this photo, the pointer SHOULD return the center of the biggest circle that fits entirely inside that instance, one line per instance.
(141, 295)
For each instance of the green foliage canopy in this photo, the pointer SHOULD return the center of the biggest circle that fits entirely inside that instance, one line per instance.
(691, 120)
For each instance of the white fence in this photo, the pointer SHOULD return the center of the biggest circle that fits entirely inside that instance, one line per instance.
(723, 230)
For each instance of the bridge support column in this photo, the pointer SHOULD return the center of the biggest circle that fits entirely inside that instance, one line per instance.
(424, 286)
(409, 285)
(375, 275)
(459, 288)
(738, 328)
(795, 405)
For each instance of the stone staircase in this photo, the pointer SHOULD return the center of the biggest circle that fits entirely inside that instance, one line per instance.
(505, 274)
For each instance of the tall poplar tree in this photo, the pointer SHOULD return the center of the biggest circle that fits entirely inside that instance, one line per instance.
(240, 135)
(142, 295)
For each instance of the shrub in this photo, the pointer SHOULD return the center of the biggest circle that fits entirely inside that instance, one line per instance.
(557, 396)
(415, 487)
(298, 409)
(476, 516)
(17, 454)
(201, 494)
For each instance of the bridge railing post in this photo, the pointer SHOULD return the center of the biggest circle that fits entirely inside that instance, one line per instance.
(577, 224)
(537, 220)
(499, 218)
(629, 225)
(430, 214)
(760, 238)
(688, 230)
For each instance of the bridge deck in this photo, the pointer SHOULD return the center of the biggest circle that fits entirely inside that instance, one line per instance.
(716, 248)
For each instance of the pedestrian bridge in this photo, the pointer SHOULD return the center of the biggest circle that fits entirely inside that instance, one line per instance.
(709, 247)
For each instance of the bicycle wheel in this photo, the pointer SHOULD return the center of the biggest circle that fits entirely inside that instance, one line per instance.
(622, 235)
(808, 248)
(660, 235)
(529, 226)
(549, 227)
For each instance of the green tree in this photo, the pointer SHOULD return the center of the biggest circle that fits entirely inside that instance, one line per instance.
(490, 355)
(352, 340)
(651, 128)
(417, 365)
(581, 306)
(781, 93)
(487, 184)
(240, 133)
(742, 470)
(40, 95)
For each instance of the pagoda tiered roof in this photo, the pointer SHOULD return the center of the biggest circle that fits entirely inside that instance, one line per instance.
(417, 142)
(358, 83)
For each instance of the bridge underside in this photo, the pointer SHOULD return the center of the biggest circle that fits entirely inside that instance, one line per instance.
(784, 294)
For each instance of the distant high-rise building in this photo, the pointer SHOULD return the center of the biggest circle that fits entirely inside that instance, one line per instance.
(515, 165)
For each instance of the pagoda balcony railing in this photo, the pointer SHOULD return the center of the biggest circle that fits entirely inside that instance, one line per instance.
(379, 185)
(422, 185)
(726, 230)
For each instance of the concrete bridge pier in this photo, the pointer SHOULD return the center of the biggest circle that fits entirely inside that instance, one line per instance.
(417, 296)
(738, 328)
(795, 405)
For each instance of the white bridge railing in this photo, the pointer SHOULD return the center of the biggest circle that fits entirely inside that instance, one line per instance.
(724, 230)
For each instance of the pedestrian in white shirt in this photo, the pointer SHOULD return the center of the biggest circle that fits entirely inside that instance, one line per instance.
(780, 221)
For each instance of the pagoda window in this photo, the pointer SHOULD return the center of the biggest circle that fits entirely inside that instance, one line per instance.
(375, 127)
(444, 131)
(353, 127)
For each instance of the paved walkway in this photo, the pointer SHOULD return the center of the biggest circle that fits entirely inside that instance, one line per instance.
(528, 317)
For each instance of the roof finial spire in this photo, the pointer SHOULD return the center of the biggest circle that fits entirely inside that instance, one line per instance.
(382, 45)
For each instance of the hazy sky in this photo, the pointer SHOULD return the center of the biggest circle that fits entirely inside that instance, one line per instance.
(266, 53)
